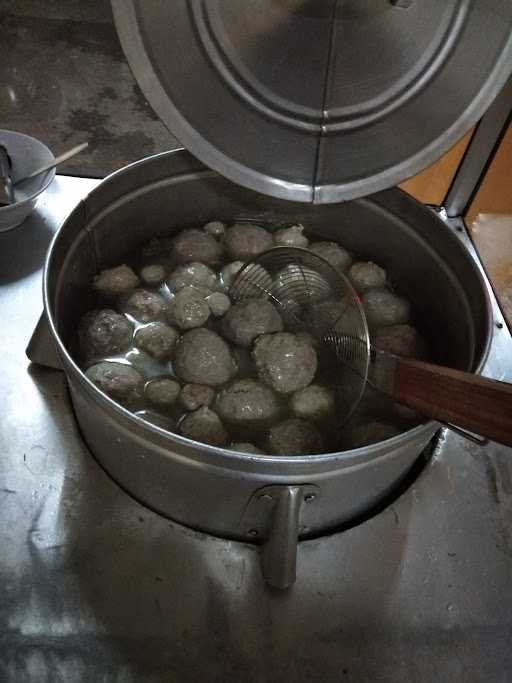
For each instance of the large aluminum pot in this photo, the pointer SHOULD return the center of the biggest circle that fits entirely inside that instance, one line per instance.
(251, 497)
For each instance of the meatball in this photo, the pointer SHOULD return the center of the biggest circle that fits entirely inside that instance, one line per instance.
(366, 275)
(202, 357)
(284, 361)
(401, 340)
(103, 333)
(193, 396)
(245, 447)
(295, 437)
(115, 281)
(215, 228)
(331, 311)
(291, 237)
(315, 402)
(244, 241)
(229, 273)
(195, 245)
(365, 433)
(153, 275)
(157, 339)
(338, 257)
(383, 308)
(248, 404)
(195, 274)
(156, 419)
(144, 306)
(325, 314)
(189, 308)
(121, 382)
(249, 319)
(219, 304)
(204, 425)
(162, 392)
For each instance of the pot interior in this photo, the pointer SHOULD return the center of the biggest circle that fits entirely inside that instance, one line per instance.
(164, 194)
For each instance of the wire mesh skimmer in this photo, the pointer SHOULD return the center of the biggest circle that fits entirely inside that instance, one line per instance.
(315, 298)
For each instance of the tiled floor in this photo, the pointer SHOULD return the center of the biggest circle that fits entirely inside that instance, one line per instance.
(64, 79)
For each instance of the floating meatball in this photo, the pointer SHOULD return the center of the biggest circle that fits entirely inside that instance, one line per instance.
(325, 314)
(195, 274)
(162, 421)
(291, 237)
(121, 382)
(103, 333)
(295, 437)
(219, 304)
(144, 306)
(315, 402)
(193, 396)
(189, 309)
(249, 319)
(365, 433)
(401, 340)
(229, 273)
(366, 275)
(338, 257)
(203, 357)
(284, 361)
(248, 404)
(215, 228)
(113, 282)
(245, 447)
(204, 425)
(153, 275)
(383, 308)
(195, 245)
(162, 392)
(244, 241)
(157, 339)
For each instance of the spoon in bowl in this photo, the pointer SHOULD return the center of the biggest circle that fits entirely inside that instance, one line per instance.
(58, 160)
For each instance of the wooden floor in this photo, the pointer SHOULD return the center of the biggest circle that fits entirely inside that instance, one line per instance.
(490, 216)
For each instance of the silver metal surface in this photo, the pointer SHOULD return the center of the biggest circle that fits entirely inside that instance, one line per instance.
(205, 487)
(276, 515)
(41, 347)
(317, 101)
(96, 587)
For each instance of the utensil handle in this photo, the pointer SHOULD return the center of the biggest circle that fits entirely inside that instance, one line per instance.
(479, 404)
(58, 160)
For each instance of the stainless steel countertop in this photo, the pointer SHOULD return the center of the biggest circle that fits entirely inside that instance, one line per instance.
(96, 587)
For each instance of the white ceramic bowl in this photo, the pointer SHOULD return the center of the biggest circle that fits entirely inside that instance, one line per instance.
(27, 154)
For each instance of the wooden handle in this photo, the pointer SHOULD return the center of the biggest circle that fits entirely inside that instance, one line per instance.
(481, 405)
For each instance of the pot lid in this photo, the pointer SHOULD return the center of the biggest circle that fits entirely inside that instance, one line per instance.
(317, 101)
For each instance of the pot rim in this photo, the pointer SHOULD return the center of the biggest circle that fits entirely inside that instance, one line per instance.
(235, 456)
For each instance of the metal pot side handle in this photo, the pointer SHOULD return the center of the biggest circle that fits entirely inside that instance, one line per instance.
(275, 515)
(41, 347)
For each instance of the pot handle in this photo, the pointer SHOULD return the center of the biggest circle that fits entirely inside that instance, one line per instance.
(41, 349)
(277, 514)
(279, 552)
(471, 402)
